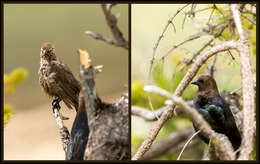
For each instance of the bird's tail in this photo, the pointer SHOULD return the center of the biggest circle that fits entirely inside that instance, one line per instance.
(79, 134)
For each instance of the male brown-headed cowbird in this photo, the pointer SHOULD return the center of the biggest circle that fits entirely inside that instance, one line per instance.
(56, 79)
(79, 133)
(215, 110)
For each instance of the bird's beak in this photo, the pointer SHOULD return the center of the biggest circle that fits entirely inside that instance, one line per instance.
(44, 52)
(195, 83)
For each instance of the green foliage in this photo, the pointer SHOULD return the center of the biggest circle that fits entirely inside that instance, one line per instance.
(140, 97)
(10, 83)
(253, 154)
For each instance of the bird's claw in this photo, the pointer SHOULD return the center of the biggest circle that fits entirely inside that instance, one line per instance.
(56, 104)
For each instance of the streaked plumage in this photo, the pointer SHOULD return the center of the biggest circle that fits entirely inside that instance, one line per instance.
(56, 79)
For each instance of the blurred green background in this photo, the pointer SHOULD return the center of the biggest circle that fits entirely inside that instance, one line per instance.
(148, 22)
(26, 28)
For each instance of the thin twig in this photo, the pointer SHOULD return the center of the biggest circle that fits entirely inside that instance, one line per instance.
(214, 7)
(156, 46)
(235, 90)
(162, 35)
(101, 37)
(189, 61)
(146, 114)
(111, 19)
(64, 133)
(190, 38)
(247, 18)
(212, 65)
(186, 144)
(172, 143)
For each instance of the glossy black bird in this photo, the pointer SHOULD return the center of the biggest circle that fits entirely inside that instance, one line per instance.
(79, 133)
(215, 110)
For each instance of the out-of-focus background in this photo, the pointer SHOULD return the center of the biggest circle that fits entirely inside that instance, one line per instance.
(31, 132)
(148, 22)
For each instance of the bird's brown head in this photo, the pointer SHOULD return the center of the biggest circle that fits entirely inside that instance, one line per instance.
(48, 52)
(206, 83)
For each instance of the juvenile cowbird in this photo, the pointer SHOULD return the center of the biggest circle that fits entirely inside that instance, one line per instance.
(79, 133)
(56, 79)
(215, 110)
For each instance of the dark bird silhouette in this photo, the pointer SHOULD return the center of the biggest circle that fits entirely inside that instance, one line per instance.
(79, 133)
(56, 79)
(215, 110)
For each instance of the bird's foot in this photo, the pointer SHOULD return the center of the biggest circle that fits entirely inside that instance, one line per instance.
(56, 104)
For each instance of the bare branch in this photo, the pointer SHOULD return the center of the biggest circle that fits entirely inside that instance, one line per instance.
(112, 22)
(249, 124)
(146, 114)
(187, 143)
(111, 19)
(157, 44)
(214, 7)
(247, 18)
(87, 74)
(224, 150)
(108, 137)
(64, 133)
(190, 38)
(212, 65)
(189, 61)
(101, 37)
(164, 30)
(173, 142)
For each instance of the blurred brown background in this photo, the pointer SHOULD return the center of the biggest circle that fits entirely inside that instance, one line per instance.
(32, 133)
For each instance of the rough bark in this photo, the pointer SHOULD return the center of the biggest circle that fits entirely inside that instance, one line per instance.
(108, 123)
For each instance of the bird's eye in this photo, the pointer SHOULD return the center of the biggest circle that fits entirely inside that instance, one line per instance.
(200, 81)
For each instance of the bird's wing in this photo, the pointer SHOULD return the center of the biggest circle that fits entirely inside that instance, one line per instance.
(227, 121)
(217, 110)
(67, 82)
(223, 113)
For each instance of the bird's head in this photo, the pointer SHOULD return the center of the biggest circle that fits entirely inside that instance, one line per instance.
(48, 52)
(206, 83)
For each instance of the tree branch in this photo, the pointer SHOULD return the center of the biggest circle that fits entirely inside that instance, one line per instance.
(87, 74)
(173, 142)
(64, 133)
(111, 19)
(161, 36)
(249, 124)
(108, 137)
(146, 114)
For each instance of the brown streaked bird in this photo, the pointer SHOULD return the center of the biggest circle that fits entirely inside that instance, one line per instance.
(215, 110)
(56, 79)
